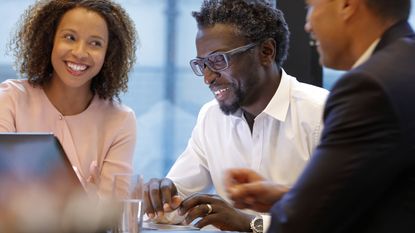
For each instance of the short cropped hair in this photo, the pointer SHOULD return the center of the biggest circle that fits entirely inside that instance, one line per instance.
(33, 42)
(390, 9)
(256, 20)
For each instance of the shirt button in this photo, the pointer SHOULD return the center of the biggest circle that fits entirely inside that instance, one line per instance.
(60, 117)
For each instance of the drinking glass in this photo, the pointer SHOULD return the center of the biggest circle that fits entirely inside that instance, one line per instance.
(128, 196)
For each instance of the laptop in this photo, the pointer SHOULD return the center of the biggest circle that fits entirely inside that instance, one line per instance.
(40, 190)
(34, 166)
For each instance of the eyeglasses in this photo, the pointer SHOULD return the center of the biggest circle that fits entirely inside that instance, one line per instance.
(217, 61)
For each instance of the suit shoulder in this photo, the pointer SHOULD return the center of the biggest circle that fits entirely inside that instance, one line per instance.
(396, 58)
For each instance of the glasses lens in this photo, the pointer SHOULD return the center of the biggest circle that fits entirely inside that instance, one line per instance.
(197, 66)
(217, 62)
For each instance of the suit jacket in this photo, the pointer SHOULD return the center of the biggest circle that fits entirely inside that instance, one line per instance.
(361, 178)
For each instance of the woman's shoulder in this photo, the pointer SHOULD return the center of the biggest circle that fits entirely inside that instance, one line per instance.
(112, 108)
(16, 87)
(15, 84)
(115, 115)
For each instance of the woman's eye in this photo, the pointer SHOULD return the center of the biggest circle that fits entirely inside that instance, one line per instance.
(96, 43)
(69, 37)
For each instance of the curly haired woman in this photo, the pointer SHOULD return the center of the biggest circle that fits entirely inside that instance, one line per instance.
(75, 56)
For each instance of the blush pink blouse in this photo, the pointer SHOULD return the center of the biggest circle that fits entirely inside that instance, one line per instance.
(105, 132)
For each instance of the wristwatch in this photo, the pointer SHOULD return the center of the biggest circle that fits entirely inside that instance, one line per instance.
(257, 225)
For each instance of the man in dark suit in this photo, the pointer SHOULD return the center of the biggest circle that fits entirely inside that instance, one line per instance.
(361, 177)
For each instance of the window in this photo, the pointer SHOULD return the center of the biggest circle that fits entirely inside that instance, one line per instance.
(163, 90)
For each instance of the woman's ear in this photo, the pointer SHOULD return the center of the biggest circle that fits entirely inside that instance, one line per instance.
(268, 50)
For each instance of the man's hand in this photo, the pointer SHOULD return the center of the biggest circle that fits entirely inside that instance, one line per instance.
(250, 190)
(160, 196)
(213, 210)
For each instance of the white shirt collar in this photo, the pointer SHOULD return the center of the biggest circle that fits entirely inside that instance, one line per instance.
(366, 55)
(278, 105)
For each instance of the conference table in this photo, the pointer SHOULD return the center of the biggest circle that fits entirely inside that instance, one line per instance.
(167, 228)
(184, 231)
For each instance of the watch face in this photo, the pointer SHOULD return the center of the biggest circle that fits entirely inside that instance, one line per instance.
(258, 224)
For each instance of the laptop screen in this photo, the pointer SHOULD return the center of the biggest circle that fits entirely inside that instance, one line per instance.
(40, 190)
(34, 161)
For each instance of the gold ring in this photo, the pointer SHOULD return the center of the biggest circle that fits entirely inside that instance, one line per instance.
(210, 209)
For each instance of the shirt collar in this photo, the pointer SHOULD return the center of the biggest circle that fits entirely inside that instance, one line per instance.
(278, 106)
(366, 55)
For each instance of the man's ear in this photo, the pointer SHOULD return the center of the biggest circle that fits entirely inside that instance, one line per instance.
(268, 51)
(348, 8)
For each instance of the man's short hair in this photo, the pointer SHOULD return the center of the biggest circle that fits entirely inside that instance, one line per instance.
(256, 20)
(390, 9)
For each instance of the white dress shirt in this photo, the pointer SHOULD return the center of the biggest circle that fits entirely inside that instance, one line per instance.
(283, 138)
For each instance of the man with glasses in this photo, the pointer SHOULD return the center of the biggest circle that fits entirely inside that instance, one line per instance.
(261, 117)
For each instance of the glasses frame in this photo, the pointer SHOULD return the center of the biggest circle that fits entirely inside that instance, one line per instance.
(198, 69)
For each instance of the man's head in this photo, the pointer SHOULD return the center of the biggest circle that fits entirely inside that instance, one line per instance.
(344, 29)
(259, 34)
(395, 10)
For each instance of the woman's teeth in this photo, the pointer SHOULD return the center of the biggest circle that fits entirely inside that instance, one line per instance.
(76, 67)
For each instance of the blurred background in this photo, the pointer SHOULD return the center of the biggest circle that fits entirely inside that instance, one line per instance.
(163, 91)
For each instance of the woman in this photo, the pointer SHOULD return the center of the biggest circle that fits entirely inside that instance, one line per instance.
(76, 55)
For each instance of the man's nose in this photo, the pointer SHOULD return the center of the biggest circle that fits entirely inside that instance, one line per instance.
(209, 75)
(307, 26)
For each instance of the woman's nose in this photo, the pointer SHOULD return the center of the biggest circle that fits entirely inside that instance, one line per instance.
(80, 50)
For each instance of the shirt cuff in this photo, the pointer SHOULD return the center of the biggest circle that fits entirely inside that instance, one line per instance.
(266, 221)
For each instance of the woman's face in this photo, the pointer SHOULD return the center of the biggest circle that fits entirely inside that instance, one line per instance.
(79, 48)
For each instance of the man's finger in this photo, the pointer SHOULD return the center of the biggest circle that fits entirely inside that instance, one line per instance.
(148, 207)
(168, 190)
(155, 196)
(175, 202)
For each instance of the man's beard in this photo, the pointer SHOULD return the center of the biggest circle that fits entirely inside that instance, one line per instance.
(241, 92)
(235, 105)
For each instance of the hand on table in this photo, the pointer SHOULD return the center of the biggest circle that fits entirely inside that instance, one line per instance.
(250, 190)
(215, 211)
(160, 196)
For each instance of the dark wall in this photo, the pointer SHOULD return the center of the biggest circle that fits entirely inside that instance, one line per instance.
(302, 61)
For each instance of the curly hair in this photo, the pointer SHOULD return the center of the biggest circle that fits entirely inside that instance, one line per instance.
(33, 42)
(256, 20)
